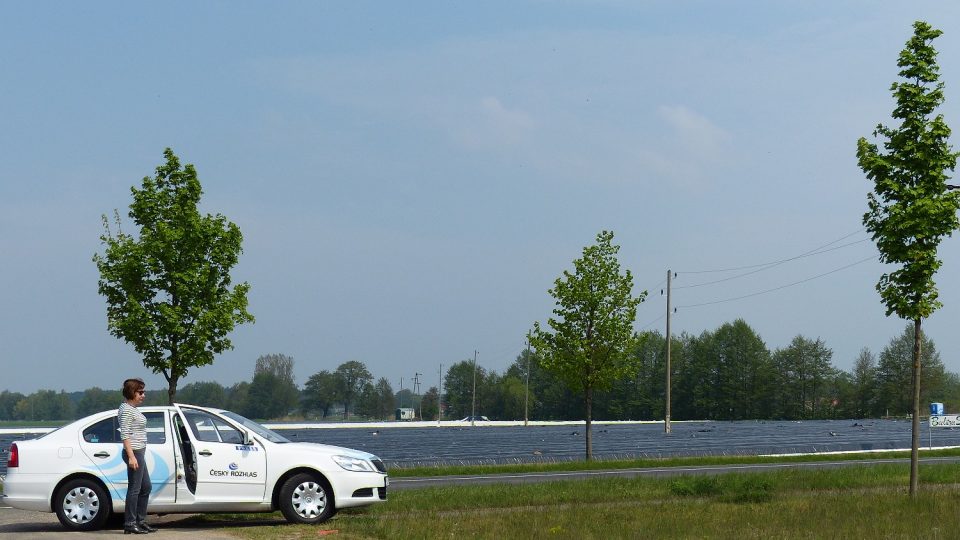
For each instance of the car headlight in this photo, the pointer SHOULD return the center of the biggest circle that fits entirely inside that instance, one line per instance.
(351, 463)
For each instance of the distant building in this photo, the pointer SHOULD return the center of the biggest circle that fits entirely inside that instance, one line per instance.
(406, 414)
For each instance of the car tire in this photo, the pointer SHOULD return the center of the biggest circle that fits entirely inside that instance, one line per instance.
(306, 498)
(82, 505)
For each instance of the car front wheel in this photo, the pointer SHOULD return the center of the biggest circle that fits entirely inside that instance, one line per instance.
(305, 498)
(82, 505)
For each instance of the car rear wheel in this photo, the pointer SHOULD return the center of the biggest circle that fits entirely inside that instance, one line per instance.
(82, 505)
(305, 498)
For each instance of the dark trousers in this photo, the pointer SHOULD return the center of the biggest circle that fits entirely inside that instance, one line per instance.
(138, 490)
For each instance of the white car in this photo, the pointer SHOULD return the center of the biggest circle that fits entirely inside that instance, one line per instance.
(200, 460)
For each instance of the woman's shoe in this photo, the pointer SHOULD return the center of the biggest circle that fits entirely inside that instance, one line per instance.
(134, 529)
(143, 525)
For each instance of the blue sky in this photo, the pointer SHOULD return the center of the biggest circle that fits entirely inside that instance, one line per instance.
(410, 178)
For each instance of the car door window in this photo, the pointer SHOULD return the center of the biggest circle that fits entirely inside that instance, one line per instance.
(104, 431)
(209, 428)
(107, 430)
(156, 428)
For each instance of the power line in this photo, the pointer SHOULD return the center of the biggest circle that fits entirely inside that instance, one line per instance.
(872, 257)
(649, 324)
(770, 263)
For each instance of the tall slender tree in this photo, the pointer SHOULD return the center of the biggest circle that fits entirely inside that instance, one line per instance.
(592, 328)
(911, 208)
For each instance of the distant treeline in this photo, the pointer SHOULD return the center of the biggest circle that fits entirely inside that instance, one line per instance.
(726, 374)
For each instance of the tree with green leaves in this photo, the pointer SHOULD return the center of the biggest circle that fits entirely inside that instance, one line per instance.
(8, 403)
(320, 392)
(803, 374)
(894, 373)
(270, 397)
(351, 378)
(168, 289)
(204, 393)
(911, 208)
(864, 377)
(376, 400)
(592, 327)
(97, 399)
(285, 395)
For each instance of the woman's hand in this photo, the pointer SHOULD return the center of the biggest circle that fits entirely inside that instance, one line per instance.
(132, 462)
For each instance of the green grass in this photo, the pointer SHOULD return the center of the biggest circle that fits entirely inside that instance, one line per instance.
(852, 502)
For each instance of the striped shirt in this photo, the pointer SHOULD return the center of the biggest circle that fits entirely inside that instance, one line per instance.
(133, 426)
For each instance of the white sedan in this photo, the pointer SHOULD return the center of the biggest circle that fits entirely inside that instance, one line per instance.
(200, 460)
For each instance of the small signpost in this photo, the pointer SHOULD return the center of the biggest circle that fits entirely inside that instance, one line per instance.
(938, 419)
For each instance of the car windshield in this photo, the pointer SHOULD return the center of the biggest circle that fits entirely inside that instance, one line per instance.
(271, 436)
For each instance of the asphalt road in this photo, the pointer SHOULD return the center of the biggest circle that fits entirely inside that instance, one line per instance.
(39, 526)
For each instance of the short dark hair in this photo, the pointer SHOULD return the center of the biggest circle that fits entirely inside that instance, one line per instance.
(132, 386)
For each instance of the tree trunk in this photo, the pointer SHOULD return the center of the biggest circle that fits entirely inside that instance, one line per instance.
(915, 440)
(171, 390)
(588, 401)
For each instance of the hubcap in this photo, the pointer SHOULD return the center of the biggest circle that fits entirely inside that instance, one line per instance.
(309, 500)
(81, 504)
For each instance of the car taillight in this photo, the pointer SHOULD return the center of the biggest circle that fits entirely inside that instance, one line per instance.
(14, 459)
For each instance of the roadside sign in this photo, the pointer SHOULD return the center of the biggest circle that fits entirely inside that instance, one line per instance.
(945, 420)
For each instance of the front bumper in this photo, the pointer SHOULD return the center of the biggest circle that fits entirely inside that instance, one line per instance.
(360, 489)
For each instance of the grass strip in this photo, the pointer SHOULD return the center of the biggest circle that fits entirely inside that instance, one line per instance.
(855, 502)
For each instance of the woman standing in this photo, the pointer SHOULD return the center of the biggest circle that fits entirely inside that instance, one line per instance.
(133, 433)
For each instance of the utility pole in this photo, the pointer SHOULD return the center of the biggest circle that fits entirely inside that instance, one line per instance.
(416, 391)
(666, 417)
(473, 410)
(526, 394)
(400, 406)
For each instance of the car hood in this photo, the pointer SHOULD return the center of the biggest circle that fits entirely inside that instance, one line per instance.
(325, 449)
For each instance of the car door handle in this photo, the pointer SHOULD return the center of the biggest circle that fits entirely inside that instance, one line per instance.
(101, 455)
(205, 453)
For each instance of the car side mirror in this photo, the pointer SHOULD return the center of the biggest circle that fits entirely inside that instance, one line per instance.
(247, 440)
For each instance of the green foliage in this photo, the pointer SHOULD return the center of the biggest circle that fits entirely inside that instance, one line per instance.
(319, 394)
(280, 386)
(911, 210)
(377, 400)
(894, 374)
(8, 403)
(205, 394)
(96, 399)
(430, 404)
(695, 486)
(592, 327)
(458, 384)
(269, 397)
(723, 375)
(237, 396)
(45, 405)
(864, 397)
(351, 377)
(733, 488)
(168, 290)
(803, 373)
